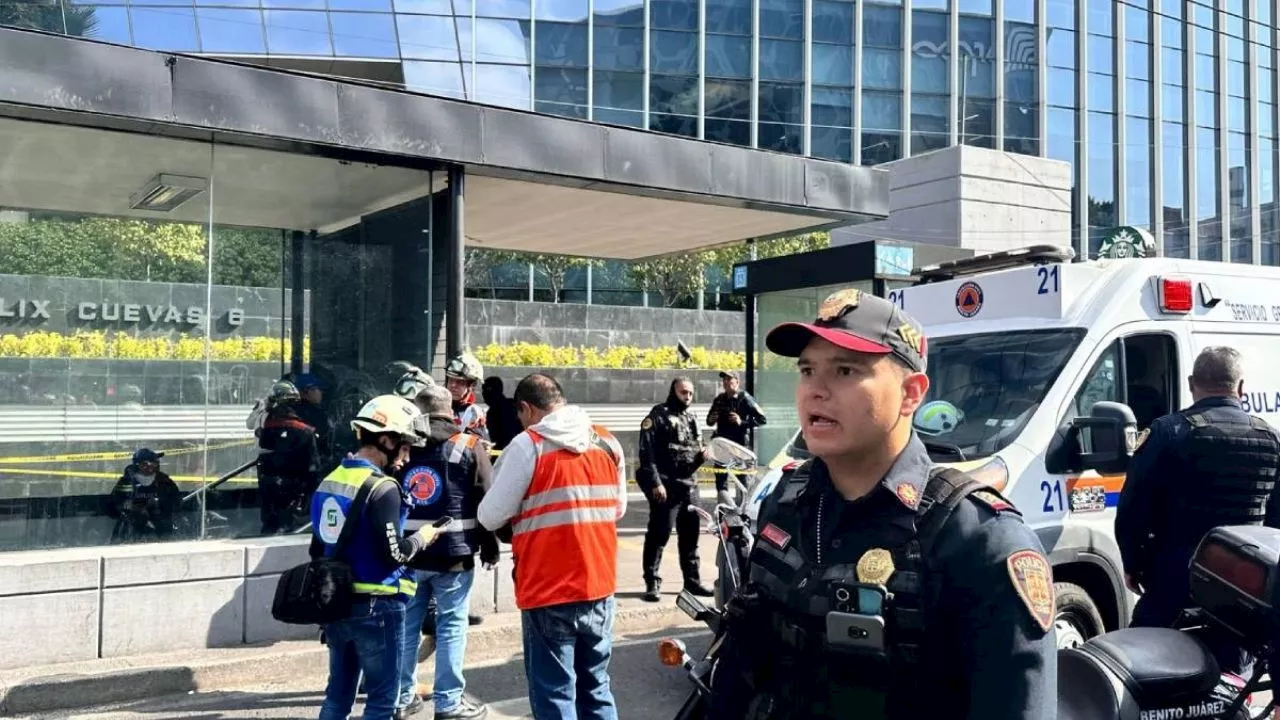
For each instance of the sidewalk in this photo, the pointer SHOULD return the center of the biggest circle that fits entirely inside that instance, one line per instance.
(41, 689)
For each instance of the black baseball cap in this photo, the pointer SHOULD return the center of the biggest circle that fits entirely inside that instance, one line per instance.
(728, 375)
(857, 321)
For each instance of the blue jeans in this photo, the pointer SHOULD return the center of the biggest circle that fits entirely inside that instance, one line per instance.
(566, 660)
(452, 591)
(368, 641)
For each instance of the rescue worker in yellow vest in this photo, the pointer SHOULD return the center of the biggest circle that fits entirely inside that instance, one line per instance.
(445, 477)
(371, 639)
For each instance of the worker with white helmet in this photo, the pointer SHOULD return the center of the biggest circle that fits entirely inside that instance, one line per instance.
(362, 491)
(462, 376)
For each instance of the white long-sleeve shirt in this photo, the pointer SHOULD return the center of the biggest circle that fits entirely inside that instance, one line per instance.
(568, 427)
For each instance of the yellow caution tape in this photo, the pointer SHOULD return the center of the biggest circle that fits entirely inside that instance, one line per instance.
(116, 455)
(197, 479)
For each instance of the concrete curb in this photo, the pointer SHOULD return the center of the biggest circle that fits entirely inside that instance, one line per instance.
(499, 636)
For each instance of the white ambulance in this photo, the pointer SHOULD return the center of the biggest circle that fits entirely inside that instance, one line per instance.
(1018, 358)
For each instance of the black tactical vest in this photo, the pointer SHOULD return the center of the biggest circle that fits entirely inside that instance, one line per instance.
(436, 482)
(1230, 471)
(791, 579)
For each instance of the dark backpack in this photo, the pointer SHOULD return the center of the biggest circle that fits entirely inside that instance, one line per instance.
(322, 591)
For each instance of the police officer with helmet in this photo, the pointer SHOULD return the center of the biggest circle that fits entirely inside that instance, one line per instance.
(446, 476)
(1211, 464)
(670, 453)
(881, 586)
(372, 638)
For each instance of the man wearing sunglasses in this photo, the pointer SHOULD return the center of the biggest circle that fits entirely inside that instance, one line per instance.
(881, 586)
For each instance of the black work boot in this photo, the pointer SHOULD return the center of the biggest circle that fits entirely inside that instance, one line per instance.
(412, 711)
(695, 587)
(651, 588)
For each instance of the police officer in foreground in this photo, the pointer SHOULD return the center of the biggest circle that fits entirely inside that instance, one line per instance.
(1209, 465)
(733, 414)
(869, 534)
(372, 638)
(446, 476)
(670, 453)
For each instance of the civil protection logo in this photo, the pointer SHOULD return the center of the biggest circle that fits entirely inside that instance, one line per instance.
(424, 484)
(969, 299)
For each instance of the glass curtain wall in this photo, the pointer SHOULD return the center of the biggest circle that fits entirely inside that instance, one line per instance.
(137, 316)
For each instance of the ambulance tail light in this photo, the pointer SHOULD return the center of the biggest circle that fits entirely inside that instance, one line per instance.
(1176, 295)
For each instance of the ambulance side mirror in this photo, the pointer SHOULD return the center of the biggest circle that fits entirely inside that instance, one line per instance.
(1107, 438)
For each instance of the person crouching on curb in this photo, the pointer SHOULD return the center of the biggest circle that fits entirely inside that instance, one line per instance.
(372, 638)
(446, 476)
(562, 485)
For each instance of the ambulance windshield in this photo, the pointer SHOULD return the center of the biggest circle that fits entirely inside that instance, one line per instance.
(984, 388)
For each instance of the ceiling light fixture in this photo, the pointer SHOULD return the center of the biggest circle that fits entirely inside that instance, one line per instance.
(164, 192)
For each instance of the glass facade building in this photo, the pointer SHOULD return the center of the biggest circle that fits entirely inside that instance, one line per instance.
(1165, 108)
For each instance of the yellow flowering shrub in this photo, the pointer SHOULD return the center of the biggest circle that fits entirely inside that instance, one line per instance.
(521, 354)
(101, 345)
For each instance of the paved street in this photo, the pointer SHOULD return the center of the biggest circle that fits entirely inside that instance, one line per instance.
(642, 687)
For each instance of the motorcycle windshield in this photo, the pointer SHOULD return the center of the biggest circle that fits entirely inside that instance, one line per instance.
(984, 388)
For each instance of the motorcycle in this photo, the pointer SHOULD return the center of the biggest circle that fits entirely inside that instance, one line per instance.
(1158, 673)
(729, 523)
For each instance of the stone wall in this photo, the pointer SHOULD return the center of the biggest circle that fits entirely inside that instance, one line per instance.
(600, 326)
(120, 601)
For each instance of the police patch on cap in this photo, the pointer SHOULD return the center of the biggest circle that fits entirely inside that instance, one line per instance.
(836, 303)
(1033, 579)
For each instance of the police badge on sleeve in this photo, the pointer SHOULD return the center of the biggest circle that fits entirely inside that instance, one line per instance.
(1033, 579)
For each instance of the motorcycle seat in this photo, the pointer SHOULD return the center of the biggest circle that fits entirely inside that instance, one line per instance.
(1155, 666)
(1088, 691)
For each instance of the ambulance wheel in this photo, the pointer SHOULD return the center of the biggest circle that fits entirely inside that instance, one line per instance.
(1078, 618)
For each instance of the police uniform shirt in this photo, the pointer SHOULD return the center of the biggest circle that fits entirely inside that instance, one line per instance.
(670, 447)
(741, 403)
(989, 651)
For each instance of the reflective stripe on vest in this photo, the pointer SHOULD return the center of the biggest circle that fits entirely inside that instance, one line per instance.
(565, 536)
(332, 502)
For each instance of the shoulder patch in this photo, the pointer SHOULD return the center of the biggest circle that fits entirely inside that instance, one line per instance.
(993, 501)
(1142, 437)
(1033, 580)
(646, 423)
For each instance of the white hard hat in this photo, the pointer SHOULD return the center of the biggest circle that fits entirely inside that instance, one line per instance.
(465, 366)
(388, 414)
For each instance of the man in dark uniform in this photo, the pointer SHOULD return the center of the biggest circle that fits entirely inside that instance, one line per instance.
(1209, 465)
(312, 412)
(670, 452)
(144, 500)
(733, 414)
(288, 461)
(881, 586)
(446, 475)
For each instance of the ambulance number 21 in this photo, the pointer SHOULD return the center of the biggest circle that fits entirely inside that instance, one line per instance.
(1052, 491)
(1048, 279)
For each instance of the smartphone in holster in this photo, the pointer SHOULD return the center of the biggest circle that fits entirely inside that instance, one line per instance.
(853, 633)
